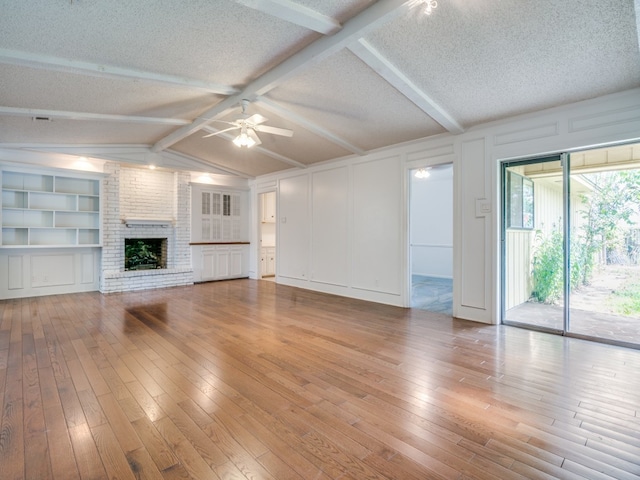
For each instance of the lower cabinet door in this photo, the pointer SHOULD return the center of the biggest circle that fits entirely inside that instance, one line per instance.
(223, 263)
(235, 262)
(208, 264)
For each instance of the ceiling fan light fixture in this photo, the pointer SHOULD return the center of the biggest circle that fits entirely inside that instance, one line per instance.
(422, 173)
(244, 140)
(427, 6)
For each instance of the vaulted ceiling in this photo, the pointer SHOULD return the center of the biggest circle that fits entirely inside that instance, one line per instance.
(152, 78)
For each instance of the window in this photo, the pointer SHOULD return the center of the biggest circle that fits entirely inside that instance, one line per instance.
(226, 205)
(217, 216)
(519, 201)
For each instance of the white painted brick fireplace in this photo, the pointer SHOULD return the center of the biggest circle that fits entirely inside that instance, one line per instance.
(144, 203)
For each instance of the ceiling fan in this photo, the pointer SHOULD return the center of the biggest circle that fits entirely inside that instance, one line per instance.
(248, 126)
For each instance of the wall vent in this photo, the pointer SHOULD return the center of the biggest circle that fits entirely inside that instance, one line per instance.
(41, 119)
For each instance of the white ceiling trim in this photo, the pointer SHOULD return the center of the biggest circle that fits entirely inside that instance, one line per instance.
(269, 153)
(207, 166)
(49, 159)
(47, 62)
(131, 154)
(85, 150)
(366, 21)
(377, 62)
(101, 117)
(308, 125)
(294, 13)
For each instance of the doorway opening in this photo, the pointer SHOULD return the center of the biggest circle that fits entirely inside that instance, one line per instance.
(267, 202)
(571, 244)
(431, 238)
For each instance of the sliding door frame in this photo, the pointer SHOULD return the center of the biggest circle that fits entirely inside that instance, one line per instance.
(563, 158)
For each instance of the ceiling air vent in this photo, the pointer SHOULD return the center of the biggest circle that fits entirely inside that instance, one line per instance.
(41, 119)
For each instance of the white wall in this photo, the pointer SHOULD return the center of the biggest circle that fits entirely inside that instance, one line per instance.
(294, 234)
(324, 246)
(329, 222)
(431, 223)
(375, 200)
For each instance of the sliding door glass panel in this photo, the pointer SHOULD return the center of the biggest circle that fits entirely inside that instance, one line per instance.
(533, 244)
(605, 246)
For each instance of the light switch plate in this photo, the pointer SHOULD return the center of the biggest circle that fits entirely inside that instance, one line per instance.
(483, 207)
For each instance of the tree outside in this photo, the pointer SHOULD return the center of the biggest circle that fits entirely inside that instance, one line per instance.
(608, 238)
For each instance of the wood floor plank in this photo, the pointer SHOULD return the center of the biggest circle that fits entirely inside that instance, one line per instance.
(278, 467)
(37, 464)
(120, 426)
(91, 370)
(61, 453)
(87, 457)
(189, 456)
(12, 439)
(91, 407)
(276, 441)
(113, 457)
(250, 379)
(71, 405)
(155, 445)
(142, 465)
(197, 437)
(145, 401)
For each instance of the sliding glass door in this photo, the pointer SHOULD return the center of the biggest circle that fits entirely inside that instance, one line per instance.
(533, 244)
(571, 244)
(605, 245)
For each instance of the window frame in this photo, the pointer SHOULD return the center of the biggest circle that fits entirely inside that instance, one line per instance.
(520, 196)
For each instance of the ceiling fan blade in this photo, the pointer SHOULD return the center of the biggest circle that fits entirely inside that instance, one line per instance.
(256, 119)
(220, 131)
(253, 136)
(275, 130)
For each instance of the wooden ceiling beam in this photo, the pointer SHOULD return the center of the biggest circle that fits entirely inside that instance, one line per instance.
(295, 13)
(100, 117)
(57, 64)
(377, 62)
(366, 21)
(308, 125)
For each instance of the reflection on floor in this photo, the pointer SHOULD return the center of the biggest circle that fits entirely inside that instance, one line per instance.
(432, 294)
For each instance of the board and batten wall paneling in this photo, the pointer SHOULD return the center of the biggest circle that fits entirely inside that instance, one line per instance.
(31, 273)
(294, 227)
(377, 226)
(88, 272)
(52, 270)
(473, 242)
(15, 278)
(330, 216)
(377, 237)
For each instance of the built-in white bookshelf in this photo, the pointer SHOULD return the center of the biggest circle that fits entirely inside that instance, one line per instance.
(49, 210)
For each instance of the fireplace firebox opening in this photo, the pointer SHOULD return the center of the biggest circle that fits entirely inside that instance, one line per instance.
(145, 253)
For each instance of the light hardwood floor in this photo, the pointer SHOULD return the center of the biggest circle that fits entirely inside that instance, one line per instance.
(253, 380)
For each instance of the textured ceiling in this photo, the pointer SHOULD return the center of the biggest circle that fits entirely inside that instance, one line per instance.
(347, 76)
